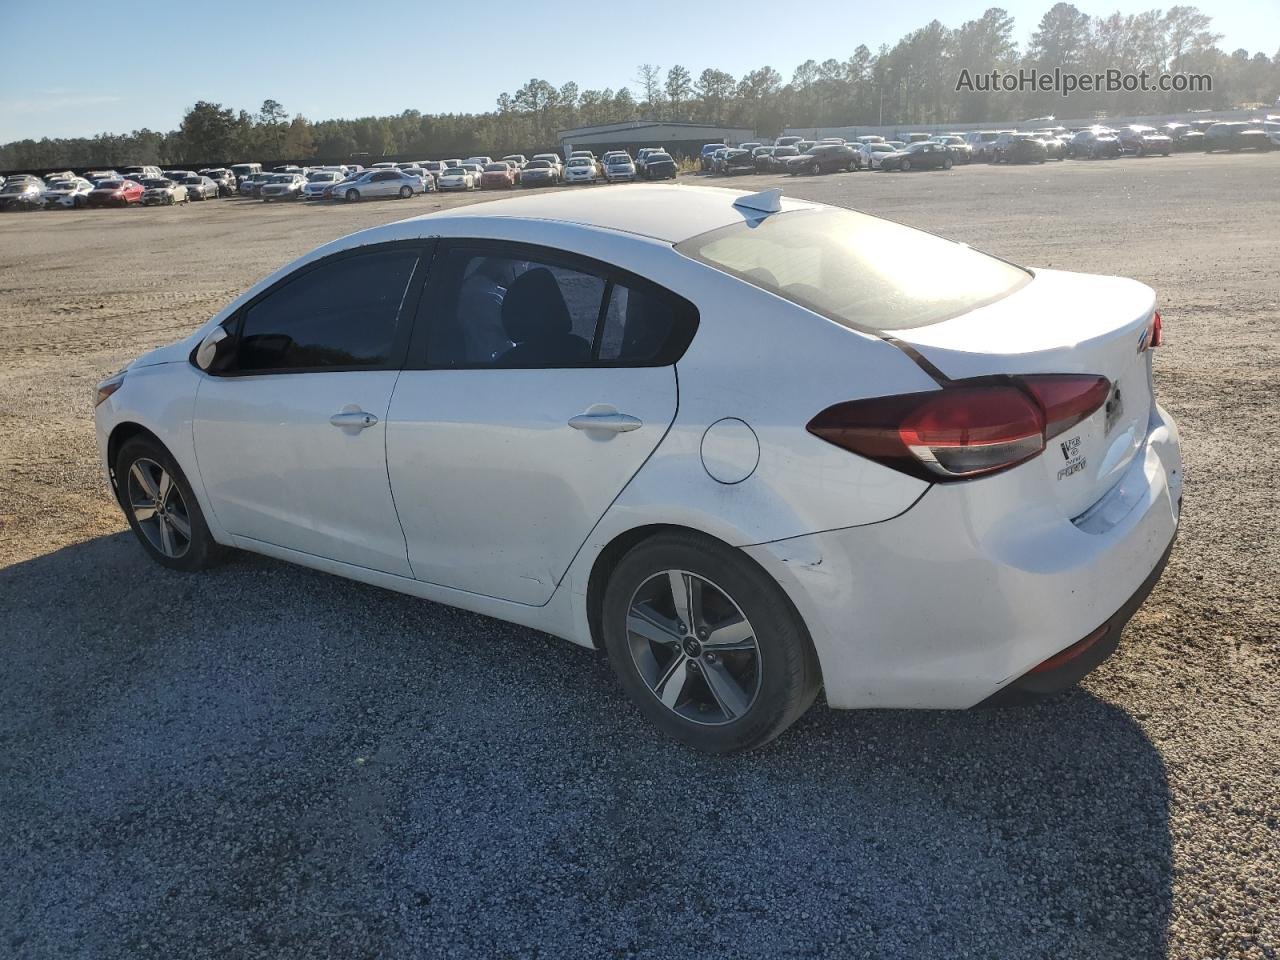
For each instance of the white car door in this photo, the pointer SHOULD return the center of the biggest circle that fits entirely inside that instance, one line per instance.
(536, 387)
(290, 432)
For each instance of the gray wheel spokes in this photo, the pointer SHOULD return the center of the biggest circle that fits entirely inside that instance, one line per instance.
(728, 693)
(167, 546)
(733, 634)
(180, 523)
(158, 508)
(148, 485)
(673, 681)
(694, 648)
(651, 625)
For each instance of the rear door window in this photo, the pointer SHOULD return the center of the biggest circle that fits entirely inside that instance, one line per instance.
(495, 306)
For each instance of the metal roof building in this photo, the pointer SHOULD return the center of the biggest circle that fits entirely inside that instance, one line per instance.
(685, 139)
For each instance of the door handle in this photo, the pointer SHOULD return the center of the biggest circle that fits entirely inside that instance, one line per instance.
(353, 419)
(610, 422)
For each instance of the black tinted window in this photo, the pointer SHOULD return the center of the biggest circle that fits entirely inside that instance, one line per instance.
(637, 325)
(491, 309)
(503, 311)
(341, 314)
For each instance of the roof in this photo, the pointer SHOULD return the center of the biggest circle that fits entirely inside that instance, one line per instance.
(641, 124)
(662, 212)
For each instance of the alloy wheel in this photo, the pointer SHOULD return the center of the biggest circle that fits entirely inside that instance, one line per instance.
(157, 505)
(694, 648)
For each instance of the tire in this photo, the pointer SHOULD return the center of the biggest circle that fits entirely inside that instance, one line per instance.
(167, 549)
(406, 193)
(353, 196)
(905, 165)
(765, 684)
(853, 166)
(815, 168)
(946, 163)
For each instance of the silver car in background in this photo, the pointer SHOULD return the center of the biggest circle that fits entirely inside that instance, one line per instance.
(282, 186)
(380, 183)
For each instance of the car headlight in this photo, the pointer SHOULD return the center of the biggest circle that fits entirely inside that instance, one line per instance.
(109, 386)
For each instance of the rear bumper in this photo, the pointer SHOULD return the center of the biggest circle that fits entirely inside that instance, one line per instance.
(1069, 666)
(960, 597)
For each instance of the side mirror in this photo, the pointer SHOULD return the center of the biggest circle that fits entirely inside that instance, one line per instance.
(207, 352)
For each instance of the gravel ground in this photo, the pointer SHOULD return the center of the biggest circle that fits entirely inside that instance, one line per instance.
(265, 761)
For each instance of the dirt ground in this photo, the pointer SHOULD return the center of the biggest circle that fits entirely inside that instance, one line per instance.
(272, 762)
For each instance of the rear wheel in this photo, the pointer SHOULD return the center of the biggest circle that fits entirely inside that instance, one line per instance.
(905, 165)
(946, 163)
(406, 193)
(161, 509)
(707, 644)
(815, 168)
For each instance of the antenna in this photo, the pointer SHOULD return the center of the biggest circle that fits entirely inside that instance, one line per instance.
(766, 201)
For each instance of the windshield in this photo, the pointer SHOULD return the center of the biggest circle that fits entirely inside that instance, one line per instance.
(538, 165)
(579, 162)
(110, 185)
(154, 182)
(619, 161)
(860, 271)
(918, 147)
(496, 168)
(882, 148)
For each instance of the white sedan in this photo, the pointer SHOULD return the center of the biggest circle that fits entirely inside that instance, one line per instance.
(380, 182)
(68, 193)
(458, 178)
(873, 152)
(749, 446)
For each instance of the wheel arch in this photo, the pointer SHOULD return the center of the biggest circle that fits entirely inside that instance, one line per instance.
(612, 553)
(122, 433)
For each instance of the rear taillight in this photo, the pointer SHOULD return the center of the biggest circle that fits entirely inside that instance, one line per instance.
(1157, 330)
(969, 428)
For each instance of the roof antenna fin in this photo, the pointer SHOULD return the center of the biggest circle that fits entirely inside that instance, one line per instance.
(766, 201)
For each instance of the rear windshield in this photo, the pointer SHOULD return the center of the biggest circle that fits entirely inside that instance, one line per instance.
(860, 271)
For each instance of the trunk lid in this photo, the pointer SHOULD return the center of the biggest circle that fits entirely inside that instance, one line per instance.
(1062, 323)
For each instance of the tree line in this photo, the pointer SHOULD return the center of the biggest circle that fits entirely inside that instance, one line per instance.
(912, 82)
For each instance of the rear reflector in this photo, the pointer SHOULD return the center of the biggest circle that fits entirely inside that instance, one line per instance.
(969, 428)
(1075, 650)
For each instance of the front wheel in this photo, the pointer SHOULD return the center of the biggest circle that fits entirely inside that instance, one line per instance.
(353, 196)
(707, 644)
(815, 169)
(161, 509)
(905, 165)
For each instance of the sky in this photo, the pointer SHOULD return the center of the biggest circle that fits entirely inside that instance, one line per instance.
(99, 68)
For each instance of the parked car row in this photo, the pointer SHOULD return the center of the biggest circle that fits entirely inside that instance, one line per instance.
(924, 151)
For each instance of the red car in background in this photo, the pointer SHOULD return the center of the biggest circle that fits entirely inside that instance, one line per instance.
(499, 175)
(115, 193)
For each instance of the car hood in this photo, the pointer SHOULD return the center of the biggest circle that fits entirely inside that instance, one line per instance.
(169, 353)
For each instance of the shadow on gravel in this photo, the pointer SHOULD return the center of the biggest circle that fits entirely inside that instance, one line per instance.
(265, 761)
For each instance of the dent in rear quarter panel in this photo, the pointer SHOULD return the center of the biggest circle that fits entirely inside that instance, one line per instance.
(774, 365)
